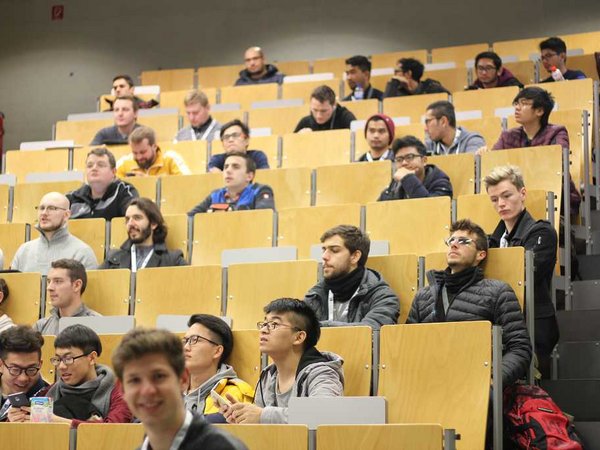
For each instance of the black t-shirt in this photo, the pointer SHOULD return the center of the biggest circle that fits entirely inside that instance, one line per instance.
(339, 120)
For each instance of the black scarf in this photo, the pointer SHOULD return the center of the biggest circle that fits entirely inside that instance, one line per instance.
(454, 283)
(343, 287)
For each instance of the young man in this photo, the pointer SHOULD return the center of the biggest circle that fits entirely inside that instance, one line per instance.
(235, 136)
(103, 194)
(123, 85)
(202, 126)
(240, 192)
(350, 293)
(20, 364)
(207, 345)
(125, 113)
(325, 113)
(151, 366)
(414, 178)
(5, 321)
(407, 80)
(146, 158)
(506, 189)
(491, 74)
(86, 391)
(145, 246)
(379, 133)
(55, 241)
(554, 56)
(288, 336)
(443, 136)
(257, 71)
(461, 293)
(65, 285)
(358, 76)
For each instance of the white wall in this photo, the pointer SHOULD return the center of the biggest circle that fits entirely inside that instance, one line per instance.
(49, 69)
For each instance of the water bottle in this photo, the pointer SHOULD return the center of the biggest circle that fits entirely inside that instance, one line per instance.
(359, 94)
(557, 74)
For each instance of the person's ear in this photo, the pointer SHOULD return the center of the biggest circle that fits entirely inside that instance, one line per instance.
(355, 257)
(480, 256)
(184, 380)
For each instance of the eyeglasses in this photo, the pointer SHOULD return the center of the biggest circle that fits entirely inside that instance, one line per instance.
(226, 137)
(15, 371)
(49, 208)
(408, 158)
(194, 339)
(523, 103)
(457, 240)
(429, 119)
(274, 325)
(547, 56)
(66, 360)
(485, 68)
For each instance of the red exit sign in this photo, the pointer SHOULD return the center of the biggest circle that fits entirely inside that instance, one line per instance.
(58, 12)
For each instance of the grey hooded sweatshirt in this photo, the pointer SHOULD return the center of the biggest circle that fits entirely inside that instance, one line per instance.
(195, 400)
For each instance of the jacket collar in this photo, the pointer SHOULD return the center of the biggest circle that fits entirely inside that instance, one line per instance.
(60, 234)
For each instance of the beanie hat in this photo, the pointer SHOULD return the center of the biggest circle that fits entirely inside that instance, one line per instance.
(389, 124)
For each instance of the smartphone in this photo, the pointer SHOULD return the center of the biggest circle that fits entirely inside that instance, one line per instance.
(19, 399)
(219, 399)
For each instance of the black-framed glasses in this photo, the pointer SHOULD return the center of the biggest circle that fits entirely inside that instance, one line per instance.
(460, 240)
(66, 360)
(194, 339)
(486, 68)
(15, 371)
(408, 158)
(235, 135)
(547, 56)
(274, 325)
(49, 208)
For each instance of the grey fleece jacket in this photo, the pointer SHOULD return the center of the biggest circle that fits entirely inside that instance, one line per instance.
(467, 142)
(195, 400)
(374, 304)
(320, 374)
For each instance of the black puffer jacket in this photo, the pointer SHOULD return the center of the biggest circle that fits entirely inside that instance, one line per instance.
(112, 204)
(161, 257)
(435, 184)
(480, 299)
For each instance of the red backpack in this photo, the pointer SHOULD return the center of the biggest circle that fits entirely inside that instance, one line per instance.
(534, 422)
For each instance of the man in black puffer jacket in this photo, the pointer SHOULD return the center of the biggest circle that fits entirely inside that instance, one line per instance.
(461, 293)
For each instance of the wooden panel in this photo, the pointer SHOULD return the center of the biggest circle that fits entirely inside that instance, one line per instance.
(335, 65)
(181, 193)
(28, 195)
(412, 106)
(169, 80)
(245, 357)
(261, 436)
(20, 163)
(28, 436)
(23, 304)
(460, 54)
(380, 437)
(489, 127)
(279, 120)
(293, 67)
(452, 79)
(572, 94)
(383, 60)
(363, 109)
(107, 291)
(588, 42)
(194, 153)
(227, 116)
(291, 187)
(48, 371)
(304, 89)
(461, 170)
(4, 190)
(485, 100)
(323, 148)
(246, 95)
(521, 48)
(146, 186)
(12, 235)
(174, 99)
(218, 76)
(109, 435)
(585, 63)
(109, 344)
(524, 71)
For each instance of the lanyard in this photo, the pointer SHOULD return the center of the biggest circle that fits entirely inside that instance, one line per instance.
(179, 437)
(382, 158)
(134, 267)
(330, 303)
(205, 134)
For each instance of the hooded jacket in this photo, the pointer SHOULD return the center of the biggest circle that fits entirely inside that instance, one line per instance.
(161, 257)
(506, 79)
(435, 184)
(396, 88)
(319, 374)
(112, 204)
(374, 304)
(271, 76)
(467, 142)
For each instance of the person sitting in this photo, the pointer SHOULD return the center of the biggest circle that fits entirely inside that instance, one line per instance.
(413, 177)
(325, 113)
(202, 126)
(145, 246)
(5, 321)
(207, 345)
(235, 136)
(407, 80)
(491, 73)
(123, 85)
(379, 133)
(240, 192)
(554, 59)
(125, 111)
(358, 76)
(288, 335)
(257, 71)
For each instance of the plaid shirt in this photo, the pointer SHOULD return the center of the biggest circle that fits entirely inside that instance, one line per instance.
(517, 138)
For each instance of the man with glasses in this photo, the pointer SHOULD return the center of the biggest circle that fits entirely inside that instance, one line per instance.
(491, 74)
(554, 56)
(462, 293)
(86, 391)
(235, 137)
(257, 70)
(20, 363)
(288, 335)
(55, 241)
(443, 136)
(65, 284)
(413, 177)
(207, 346)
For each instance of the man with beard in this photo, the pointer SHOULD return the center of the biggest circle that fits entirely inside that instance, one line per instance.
(257, 71)
(379, 133)
(350, 293)
(146, 158)
(146, 246)
(55, 241)
(358, 76)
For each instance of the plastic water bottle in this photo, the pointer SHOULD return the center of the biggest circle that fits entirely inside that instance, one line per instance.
(359, 94)
(557, 74)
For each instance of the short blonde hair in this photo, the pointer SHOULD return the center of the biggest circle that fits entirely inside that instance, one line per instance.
(501, 173)
(195, 96)
(141, 133)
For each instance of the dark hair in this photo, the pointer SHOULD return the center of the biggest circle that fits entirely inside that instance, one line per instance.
(234, 123)
(481, 241)
(409, 141)
(103, 151)
(541, 99)
(490, 55)
(221, 333)
(127, 78)
(75, 269)
(301, 316)
(20, 339)
(151, 211)
(323, 94)
(354, 239)
(81, 337)
(140, 342)
(415, 66)
(362, 62)
(443, 108)
(250, 164)
(131, 98)
(4, 289)
(555, 44)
